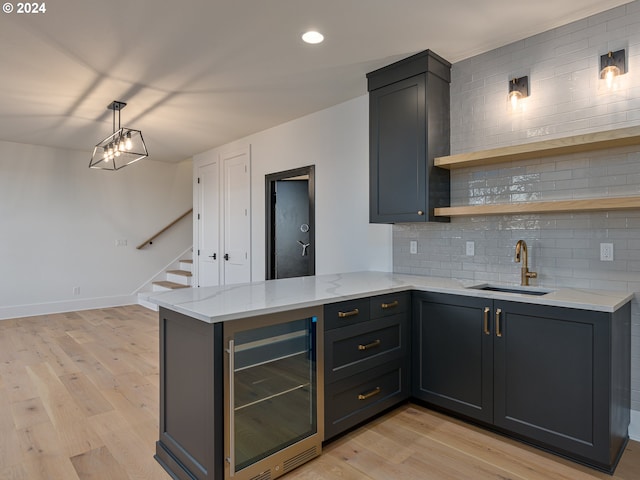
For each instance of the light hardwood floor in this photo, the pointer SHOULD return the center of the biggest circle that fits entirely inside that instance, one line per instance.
(79, 400)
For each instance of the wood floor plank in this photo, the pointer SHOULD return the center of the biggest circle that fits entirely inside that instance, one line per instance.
(9, 440)
(48, 468)
(16, 382)
(98, 464)
(28, 412)
(126, 446)
(13, 472)
(85, 394)
(67, 417)
(497, 450)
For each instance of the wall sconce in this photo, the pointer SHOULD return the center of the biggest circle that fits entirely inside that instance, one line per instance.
(518, 89)
(611, 65)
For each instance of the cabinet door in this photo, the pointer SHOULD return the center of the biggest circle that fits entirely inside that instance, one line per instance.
(397, 123)
(551, 377)
(453, 353)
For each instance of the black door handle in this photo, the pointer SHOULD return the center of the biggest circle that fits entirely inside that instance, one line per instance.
(214, 256)
(226, 256)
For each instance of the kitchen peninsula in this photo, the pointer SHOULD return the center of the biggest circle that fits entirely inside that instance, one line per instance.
(573, 347)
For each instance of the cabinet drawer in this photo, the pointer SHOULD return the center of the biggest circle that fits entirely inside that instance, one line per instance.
(391, 304)
(341, 314)
(352, 349)
(357, 398)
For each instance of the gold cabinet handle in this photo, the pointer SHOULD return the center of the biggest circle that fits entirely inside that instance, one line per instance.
(498, 328)
(395, 303)
(351, 313)
(486, 321)
(372, 393)
(375, 343)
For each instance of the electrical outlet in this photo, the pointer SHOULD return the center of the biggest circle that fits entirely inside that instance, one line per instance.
(76, 290)
(606, 252)
(471, 249)
(413, 247)
(122, 242)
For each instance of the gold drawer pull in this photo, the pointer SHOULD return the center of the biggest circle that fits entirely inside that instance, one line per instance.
(372, 393)
(375, 343)
(486, 321)
(352, 313)
(395, 303)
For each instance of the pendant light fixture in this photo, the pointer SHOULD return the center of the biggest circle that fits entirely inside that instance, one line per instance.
(123, 147)
(612, 65)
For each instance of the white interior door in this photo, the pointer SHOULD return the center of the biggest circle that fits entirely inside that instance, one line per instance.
(237, 216)
(209, 225)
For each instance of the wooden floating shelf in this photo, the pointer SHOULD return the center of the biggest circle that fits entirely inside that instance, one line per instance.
(559, 206)
(547, 148)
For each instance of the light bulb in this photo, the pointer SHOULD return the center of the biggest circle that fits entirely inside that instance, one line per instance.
(514, 98)
(128, 144)
(609, 73)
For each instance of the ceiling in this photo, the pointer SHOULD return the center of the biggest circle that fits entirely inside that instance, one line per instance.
(197, 74)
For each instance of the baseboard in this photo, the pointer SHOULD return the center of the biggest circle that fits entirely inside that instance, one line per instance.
(143, 299)
(19, 311)
(634, 427)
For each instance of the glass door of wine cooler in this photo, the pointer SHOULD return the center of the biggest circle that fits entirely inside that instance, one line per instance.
(272, 412)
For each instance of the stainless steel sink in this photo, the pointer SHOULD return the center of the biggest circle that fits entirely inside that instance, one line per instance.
(512, 289)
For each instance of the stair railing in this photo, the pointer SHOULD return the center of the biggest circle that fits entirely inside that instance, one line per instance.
(150, 240)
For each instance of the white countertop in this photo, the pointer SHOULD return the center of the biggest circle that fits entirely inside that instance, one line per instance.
(232, 302)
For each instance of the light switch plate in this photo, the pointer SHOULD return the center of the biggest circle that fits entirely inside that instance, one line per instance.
(413, 247)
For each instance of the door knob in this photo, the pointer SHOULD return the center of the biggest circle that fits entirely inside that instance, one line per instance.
(420, 212)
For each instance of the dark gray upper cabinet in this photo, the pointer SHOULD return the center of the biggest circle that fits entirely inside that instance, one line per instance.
(408, 128)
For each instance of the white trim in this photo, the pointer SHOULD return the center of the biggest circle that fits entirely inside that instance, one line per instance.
(634, 427)
(143, 300)
(18, 311)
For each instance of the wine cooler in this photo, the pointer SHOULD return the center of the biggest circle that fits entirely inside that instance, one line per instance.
(273, 403)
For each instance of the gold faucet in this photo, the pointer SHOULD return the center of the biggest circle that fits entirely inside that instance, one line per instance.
(525, 274)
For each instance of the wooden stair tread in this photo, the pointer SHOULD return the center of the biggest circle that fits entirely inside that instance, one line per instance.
(188, 260)
(183, 273)
(171, 285)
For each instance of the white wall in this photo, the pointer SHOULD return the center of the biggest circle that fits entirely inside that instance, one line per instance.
(336, 141)
(60, 222)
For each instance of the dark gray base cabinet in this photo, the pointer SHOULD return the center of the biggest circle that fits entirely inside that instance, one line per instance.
(366, 359)
(555, 377)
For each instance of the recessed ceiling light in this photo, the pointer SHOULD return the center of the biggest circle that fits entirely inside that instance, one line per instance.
(312, 37)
